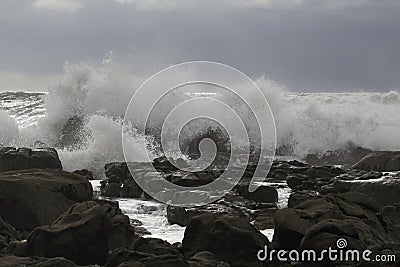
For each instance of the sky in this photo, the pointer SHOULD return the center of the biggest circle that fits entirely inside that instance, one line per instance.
(305, 45)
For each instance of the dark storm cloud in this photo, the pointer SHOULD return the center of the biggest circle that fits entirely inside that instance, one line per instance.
(310, 45)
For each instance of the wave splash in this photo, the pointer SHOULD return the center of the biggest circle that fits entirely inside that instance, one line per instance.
(82, 116)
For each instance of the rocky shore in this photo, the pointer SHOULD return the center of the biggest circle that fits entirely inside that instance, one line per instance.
(50, 217)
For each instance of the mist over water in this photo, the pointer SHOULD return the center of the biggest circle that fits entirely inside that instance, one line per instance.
(82, 116)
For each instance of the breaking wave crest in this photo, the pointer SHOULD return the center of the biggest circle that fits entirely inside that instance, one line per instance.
(82, 116)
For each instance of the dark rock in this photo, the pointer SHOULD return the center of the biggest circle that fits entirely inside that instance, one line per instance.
(190, 179)
(12, 159)
(155, 261)
(164, 165)
(102, 202)
(45, 158)
(392, 214)
(298, 197)
(319, 223)
(118, 170)
(386, 190)
(124, 257)
(380, 161)
(154, 246)
(206, 259)
(10, 260)
(231, 239)
(295, 181)
(7, 234)
(131, 190)
(263, 194)
(85, 173)
(122, 233)
(111, 190)
(32, 198)
(81, 234)
(345, 157)
(16, 248)
(182, 216)
(264, 219)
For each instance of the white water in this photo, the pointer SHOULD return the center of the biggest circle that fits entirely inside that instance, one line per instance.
(153, 215)
(306, 122)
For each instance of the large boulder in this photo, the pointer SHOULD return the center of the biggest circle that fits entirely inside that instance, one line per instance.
(81, 234)
(319, 223)
(263, 194)
(231, 239)
(385, 190)
(380, 161)
(32, 198)
(25, 158)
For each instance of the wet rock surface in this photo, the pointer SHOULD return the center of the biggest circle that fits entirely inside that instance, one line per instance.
(231, 239)
(64, 226)
(380, 161)
(319, 223)
(81, 235)
(34, 197)
(345, 157)
(12, 159)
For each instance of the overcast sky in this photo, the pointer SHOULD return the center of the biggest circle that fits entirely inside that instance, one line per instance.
(307, 45)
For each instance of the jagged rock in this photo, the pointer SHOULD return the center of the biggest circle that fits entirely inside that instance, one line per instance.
(319, 223)
(392, 214)
(346, 157)
(131, 190)
(385, 190)
(122, 233)
(111, 190)
(10, 261)
(117, 169)
(154, 246)
(182, 216)
(8, 234)
(298, 197)
(12, 159)
(81, 234)
(16, 248)
(206, 259)
(380, 161)
(263, 194)
(125, 257)
(190, 179)
(231, 239)
(264, 218)
(85, 173)
(32, 198)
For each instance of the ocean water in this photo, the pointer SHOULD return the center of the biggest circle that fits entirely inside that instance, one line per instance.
(305, 122)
